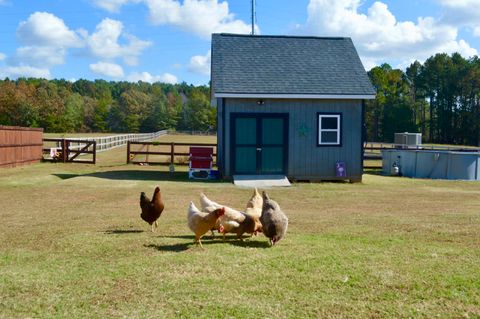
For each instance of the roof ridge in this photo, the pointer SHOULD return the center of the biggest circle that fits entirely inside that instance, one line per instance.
(280, 36)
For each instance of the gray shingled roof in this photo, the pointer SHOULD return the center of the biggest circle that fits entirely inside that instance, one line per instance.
(245, 64)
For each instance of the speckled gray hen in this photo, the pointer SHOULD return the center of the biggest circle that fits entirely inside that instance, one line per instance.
(274, 221)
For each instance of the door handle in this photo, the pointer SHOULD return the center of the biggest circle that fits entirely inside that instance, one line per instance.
(259, 149)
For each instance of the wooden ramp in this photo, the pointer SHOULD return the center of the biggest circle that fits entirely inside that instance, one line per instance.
(261, 181)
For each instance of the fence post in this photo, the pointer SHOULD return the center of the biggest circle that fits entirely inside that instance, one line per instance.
(148, 151)
(172, 152)
(128, 152)
(94, 152)
(64, 150)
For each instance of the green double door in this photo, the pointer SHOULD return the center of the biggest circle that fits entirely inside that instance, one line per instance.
(259, 143)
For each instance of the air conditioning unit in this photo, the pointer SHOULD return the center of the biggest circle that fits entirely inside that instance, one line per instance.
(408, 139)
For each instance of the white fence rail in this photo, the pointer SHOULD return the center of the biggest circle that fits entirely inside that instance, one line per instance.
(108, 142)
(204, 133)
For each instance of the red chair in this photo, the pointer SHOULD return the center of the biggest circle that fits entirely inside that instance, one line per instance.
(201, 162)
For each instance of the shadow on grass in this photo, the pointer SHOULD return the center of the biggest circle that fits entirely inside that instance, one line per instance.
(182, 237)
(67, 176)
(123, 231)
(176, 248)
(209, 240)
(251, 243)
(136, 175)
(141, 175)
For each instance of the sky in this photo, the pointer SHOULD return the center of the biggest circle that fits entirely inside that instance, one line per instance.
(169, 40)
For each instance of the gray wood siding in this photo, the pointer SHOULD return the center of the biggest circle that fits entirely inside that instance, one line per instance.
(306, 160)
(220, 145)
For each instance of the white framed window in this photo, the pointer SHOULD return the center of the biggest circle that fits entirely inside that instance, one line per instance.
(329, 129)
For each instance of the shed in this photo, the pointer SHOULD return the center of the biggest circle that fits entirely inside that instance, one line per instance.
(290, 106)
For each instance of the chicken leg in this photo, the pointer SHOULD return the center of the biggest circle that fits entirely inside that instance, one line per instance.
(198, 242)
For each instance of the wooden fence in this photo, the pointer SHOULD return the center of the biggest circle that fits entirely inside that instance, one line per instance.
(68, 150)
(20, 145)
(162, 153)
(105, 143)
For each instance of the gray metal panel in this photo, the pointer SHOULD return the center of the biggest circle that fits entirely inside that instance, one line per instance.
(305, 159)
(477, 176)
(408, 162)
(435, 164)
(287, 65)
(463, 166)
(432, 165)
(387, 162)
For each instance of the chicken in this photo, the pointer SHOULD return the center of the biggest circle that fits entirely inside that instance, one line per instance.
(274, 221)
(249, 225)
(229, 222)
(206, 202)
(200, 222)
(254, 209)
(151, 209)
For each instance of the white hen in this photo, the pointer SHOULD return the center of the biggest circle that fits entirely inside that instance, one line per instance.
(255, 205)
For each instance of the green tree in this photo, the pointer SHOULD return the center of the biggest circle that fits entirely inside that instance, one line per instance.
(391, 111)
(74, 114)
(199, 115)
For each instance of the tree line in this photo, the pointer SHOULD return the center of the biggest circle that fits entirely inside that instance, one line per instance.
(439, 98)
(101, 106)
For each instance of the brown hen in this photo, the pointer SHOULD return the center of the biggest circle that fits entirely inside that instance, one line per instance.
(151, 209)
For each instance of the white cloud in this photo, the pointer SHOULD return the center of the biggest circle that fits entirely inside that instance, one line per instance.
(168, 78)
(200, 64)
(14, 72)
(108, 69)
(201, 17)
(461, 10)
(2, 56)
(465, 4)
(147, 77)
(45, 29)
(476, 31)
(104, 42)
(112, 5)
(462, 13)
(45, 40)
(378, 35)
(39, 56)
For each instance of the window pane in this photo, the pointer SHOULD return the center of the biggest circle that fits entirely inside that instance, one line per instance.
(329, 123)
(329, 137)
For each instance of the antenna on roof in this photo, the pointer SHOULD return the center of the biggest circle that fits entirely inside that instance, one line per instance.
(253, 17)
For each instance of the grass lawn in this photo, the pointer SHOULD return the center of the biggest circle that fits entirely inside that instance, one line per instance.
(72, 245)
